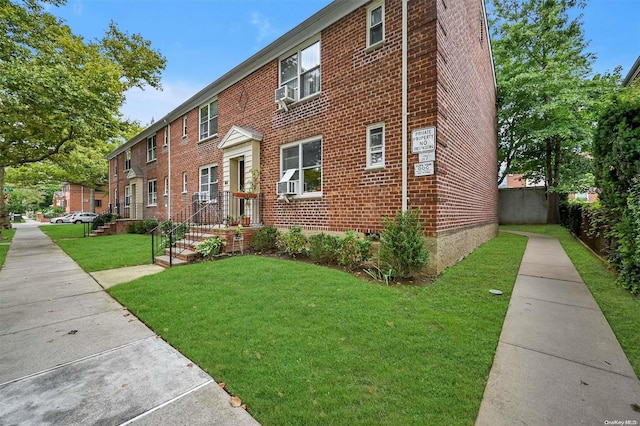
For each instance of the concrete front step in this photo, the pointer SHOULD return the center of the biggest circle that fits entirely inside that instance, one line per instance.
(164, 261)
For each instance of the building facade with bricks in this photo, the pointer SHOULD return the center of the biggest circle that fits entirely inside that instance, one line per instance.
(316, 123)
(74, 197)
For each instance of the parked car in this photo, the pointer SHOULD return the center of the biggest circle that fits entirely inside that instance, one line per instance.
(62, 219)
(83, 217)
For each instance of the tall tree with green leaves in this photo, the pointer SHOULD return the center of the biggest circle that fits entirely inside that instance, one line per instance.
(59, 94)
(547, 99)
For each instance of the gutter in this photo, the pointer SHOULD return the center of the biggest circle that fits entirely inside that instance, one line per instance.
(404, 106)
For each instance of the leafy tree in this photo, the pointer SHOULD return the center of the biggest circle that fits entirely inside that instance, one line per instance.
(546, 99)
(60, 94)
(616, 149)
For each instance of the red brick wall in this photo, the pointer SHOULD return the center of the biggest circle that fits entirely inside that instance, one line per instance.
(467, 149)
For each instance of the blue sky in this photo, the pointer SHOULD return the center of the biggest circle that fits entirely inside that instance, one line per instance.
(203, 39)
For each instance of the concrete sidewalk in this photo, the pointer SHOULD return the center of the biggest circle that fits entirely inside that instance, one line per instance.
(558, 361)
(71, 355)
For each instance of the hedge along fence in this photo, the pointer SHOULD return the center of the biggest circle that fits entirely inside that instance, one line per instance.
(588, 222)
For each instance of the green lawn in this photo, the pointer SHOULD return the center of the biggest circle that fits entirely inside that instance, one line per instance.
(100, 253)
(621, 309)
(7, 236)
(305, 344)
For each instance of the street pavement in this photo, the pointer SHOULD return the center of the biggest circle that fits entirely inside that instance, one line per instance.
(72, 355)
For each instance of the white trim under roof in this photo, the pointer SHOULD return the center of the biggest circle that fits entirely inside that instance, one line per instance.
(237, 135)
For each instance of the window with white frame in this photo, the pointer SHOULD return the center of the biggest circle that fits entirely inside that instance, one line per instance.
(151, 148)
(127, 196)
(209, 120)
(301, 71)
(302, 163)
(184, 126)
(375, 23)
(166, 185)
(209, 182)
(184, 182)
(166, 136)
(127, 160)
(152, 199)
(375, 146)
(115, 166)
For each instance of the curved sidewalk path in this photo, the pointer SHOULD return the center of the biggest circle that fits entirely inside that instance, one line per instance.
(558, 361)
(72, 355)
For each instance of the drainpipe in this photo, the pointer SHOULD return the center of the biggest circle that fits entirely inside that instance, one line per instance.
(168, 170)
(404, 106)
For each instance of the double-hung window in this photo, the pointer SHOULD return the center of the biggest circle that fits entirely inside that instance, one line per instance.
(127, 196)
(185, 187)
(127, 160)
(115, 166)
(375, 146)
(209, 120)
(184, 126)
(166, 185)
(375, 24)
(209, 182)
(152, 199)
(301, 163)
(301, 71)
(151, 148)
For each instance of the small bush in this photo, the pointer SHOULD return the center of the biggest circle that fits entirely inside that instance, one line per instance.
(324, 248)
(293, 242)
(402, 245)
(265, 239)
(102, 219)
(142, 227)
(211, 247)
(353, 250)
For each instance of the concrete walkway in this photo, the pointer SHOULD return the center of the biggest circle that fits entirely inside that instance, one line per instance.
(71, 355)
(558, 361)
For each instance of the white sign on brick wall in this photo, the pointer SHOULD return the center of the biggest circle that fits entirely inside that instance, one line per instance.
(423, 157)
(423, 169)
(423, 140)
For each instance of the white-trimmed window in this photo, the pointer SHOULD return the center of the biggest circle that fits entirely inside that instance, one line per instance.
(151, 148)
(209, 120)
(375, 146)
(127, 196)
(301, 163)
(165, 141)
(209, 182)
(115, 166)
(375, 24)
(185, 187)
(127, 160)
(301, 70)
(152, 198)
(166, 185)
(184, 126)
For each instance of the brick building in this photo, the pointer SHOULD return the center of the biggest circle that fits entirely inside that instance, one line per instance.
(78, 198)
(319, 113)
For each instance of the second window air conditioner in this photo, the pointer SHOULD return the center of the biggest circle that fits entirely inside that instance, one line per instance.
(285, 94)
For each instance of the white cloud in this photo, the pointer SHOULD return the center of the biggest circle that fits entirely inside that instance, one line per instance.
(77, 7)
(144, 105)
(262, 24)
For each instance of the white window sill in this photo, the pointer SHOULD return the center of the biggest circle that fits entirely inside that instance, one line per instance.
(374, 168)
(374, 46)
(308, 196)
(302, 101)
(151, 161)
(152, 205)
(208, 138)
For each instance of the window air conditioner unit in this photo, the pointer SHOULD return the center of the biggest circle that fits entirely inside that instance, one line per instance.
(285, 94)
(202, 197)
(286, 188)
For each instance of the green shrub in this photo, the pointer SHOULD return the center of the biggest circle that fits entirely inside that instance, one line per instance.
(293, 242)
(211, 247)
(353, 250)
(265, 239)
(147, 225)
(324, 248)
(402, 246)
(102, 219)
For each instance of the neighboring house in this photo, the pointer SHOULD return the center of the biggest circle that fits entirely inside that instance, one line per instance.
(633, 76)
(515, 180)
(319, 113)
(77, 198)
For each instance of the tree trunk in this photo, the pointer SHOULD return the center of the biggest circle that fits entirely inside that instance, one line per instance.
(553, 211)
(4, 211)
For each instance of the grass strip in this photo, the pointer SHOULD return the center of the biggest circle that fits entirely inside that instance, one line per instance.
(100, 253)
(5, 241)
(620, 307)
(305, 344)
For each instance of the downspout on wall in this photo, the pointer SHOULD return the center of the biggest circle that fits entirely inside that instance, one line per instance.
(404, 106)
(169, 171)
